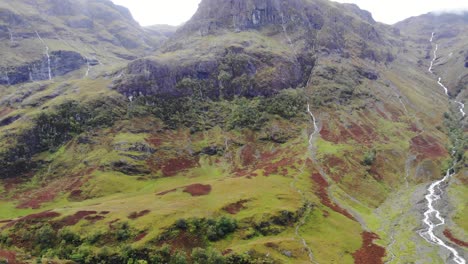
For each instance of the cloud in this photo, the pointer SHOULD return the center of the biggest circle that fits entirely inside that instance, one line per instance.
(460, 11)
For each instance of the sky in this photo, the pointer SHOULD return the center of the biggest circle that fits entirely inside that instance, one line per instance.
(176, 12)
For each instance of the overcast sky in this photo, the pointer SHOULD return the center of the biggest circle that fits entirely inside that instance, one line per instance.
(175, 12)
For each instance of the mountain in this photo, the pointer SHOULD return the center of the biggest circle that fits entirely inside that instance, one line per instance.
(45, 39)
(260, 131)
(452, 55)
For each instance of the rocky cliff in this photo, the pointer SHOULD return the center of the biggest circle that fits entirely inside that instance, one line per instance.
(255, 48)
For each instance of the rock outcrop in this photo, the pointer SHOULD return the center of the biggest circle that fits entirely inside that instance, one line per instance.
(61, 63)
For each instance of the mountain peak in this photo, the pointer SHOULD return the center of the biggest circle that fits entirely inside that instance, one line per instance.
(241, 15)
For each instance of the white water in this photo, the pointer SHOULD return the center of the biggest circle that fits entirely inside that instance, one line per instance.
(307, 212)
(442, 85)
(308, 208)
(462, 105)
(88, 69)
(462, 108)
(316, 130)
(11, 36)
(432, 37)
(46, 53)
(283, 25)
(432, 213)
(434, 59)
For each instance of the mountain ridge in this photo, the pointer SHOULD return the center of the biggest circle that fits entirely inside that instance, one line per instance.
(264, 132)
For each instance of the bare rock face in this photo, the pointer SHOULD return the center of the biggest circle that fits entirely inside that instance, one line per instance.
(233, 73)
(241, 15)
(61, 63)
(246, 67)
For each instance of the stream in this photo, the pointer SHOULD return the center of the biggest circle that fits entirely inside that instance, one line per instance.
(432, 217)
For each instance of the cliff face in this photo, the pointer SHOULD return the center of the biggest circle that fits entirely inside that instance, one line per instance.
(59, 63)
(72, 33)
(255, 48)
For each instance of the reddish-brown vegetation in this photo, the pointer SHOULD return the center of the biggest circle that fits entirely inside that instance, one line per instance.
(236, 207)
(427, 147)
(76, 195)
(72, 220)
(278, 167)
(322, 193)
(369, 252)
(184, 241)
(448, 234)
(414, 127)
(335, 167)
(9, 256)
(136, 215)
(154, 141)
(360, 133)
(173, 166)
(111, 223)
(198, 189)
(140, 237)
(36, 197)
(247, 155)
(94, 218)
(33, 218)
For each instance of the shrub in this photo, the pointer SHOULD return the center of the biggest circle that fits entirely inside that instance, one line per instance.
(369, 158)
(179, 258)
(206, 256)
(287, 104)
(45, 237)
(246, 114)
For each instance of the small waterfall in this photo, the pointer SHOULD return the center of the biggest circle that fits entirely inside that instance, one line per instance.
(11, 35)
(47, 54)
(434, 59)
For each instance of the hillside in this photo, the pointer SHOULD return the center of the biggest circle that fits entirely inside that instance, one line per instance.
(265, 131)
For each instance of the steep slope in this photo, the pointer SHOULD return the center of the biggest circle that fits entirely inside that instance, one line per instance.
(262, 131)
(45, 39)
(447, 57)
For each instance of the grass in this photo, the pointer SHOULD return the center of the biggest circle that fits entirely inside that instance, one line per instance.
(458, 194)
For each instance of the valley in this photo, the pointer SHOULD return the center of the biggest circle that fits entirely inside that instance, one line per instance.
(298, 131)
